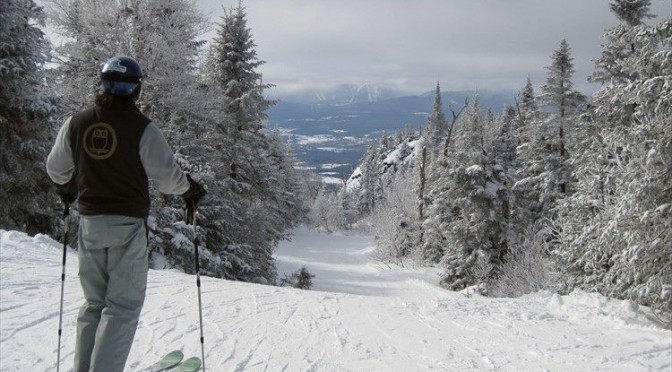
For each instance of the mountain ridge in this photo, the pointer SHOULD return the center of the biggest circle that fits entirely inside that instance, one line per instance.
(341, 94)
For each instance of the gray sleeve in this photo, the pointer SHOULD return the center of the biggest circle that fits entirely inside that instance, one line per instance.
(60, 164)
(159, 162)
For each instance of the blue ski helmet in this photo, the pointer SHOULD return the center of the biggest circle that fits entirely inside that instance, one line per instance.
(121, 76)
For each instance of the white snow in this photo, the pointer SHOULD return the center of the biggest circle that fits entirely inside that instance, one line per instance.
(395, 156)
(491, 188)
(333, 166)
(311, 140)
(474, 169)
(360, 316)
(331, 180)
(331, 149)
(354, 182)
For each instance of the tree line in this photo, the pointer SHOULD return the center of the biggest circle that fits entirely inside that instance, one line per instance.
(559, 191)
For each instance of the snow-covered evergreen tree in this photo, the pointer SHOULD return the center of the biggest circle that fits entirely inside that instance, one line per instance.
(616, 228)
(436, 127)
(24, 127)
(617, 64)
(476, 191)
(434, 143)
(365, 181)
(505, 140)
(558, 93)
(432, 167)
(234, 63)
(502, 150)
(528, 111)
(545, 173)
(377, 169)
(631, 12)
(564, 102)
(261, 198)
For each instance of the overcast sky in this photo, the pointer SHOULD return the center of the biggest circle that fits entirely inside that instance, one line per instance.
(412, 44)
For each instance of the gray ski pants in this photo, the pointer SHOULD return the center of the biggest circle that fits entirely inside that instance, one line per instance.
(113, 273)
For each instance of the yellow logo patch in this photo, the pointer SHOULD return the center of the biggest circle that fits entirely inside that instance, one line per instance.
(100, 141)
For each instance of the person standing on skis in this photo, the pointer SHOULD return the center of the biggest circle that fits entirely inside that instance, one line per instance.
(103, 157)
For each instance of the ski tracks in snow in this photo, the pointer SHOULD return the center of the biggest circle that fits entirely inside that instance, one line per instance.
(30, 288)
(359, 317)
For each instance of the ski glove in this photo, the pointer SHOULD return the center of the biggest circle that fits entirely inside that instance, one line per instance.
(195, 193)
(67, 191)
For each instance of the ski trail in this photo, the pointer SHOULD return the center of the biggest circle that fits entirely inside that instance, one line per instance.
(360, 316)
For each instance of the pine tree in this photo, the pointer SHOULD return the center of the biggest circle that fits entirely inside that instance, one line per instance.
(367, 181)
(616, 228)
(545, 174)
(476, 228)
(373, 175)
(434, 136)
(261, 198)
(234, 62)
(505, 140)
(436, 127)
(528, 111)
(24, 126)
(632, 12)
(617, 63)
(559, 96)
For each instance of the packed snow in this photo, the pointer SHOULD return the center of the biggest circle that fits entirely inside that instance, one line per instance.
(361, 315)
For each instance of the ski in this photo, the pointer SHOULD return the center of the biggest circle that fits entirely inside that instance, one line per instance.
(170, 360)
(190, 365)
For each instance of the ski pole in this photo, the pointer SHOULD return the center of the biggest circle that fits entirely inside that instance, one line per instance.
(192, 211)
(66, 213)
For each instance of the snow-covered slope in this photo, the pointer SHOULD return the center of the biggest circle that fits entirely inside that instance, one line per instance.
(361, 316)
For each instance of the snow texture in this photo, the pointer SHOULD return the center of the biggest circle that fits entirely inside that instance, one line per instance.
(398, 157)
(360, 316)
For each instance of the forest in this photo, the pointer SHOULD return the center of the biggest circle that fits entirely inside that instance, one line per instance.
(560, 191)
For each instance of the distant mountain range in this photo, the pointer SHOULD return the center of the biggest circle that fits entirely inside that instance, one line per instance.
(343, 94)
(331, 129)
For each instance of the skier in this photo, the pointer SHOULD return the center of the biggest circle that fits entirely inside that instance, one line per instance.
(103, 156)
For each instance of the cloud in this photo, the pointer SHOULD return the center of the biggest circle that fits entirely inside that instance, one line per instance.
(465, 44)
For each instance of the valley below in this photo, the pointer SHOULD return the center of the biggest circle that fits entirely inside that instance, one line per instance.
(331, 136)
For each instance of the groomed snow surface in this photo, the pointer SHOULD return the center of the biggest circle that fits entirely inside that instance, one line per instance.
(360, 316)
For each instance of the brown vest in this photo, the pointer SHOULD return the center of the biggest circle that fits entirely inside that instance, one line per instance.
(110, 177)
